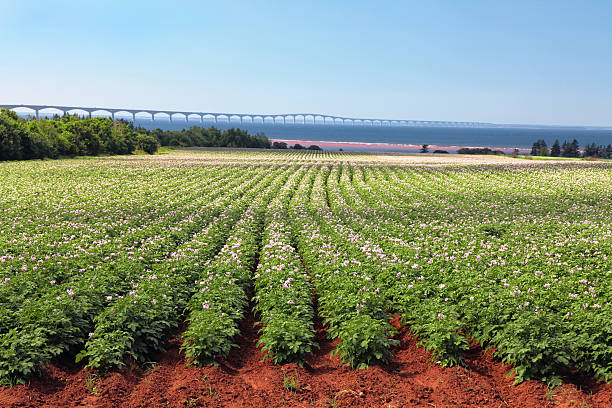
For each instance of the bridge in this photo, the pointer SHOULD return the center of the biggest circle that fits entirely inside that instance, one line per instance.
(219, 117)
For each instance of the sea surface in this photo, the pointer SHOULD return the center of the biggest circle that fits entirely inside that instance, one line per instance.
(402, 138)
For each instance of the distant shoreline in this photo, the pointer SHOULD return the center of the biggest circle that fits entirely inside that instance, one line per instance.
(403, 139)
(392, 147)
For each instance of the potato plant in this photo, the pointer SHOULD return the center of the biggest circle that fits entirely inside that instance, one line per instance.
(103, 259)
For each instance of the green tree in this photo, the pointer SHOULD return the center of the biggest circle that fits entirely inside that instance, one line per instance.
(35, 144)
(147, 143)
(12, 134)
(279, 145)
(539, 148)
(535, 148)
(555, 151)
(570, 149)
(591, 150)
(575, 148)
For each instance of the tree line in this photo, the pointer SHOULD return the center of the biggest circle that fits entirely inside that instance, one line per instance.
(213, 137)
(69, 135)
(197, 136)
(464, 150)
(297, 146)
(570, 149)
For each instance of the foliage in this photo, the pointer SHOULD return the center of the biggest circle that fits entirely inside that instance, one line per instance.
(147, 143)
(101, 259)
(570, 149)
(212, 137)
(143, 318)
(14, 136)
(365, 341)
(279, 145)
(593, 150)
(555, 150)
(478, 150)
(217, 307)
(73, 136)
(283, 289)
(67, 136)
(539, 148)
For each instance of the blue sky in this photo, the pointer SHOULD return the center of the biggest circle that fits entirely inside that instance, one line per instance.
(547, 62)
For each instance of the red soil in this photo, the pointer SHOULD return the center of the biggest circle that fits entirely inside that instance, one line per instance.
(244, 380)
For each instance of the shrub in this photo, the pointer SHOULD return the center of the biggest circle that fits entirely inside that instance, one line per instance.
(147, 143)
(12, 134)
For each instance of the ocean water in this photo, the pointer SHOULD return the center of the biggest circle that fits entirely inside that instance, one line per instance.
(401, 138)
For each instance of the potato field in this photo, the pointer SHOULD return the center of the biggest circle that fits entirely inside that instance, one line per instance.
(108, 263)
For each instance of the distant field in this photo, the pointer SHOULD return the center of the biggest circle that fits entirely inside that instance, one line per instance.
(106, 260)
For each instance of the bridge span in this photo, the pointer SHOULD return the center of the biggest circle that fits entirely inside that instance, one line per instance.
(221, 117)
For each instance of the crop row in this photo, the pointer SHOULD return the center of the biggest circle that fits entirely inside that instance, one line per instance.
(518, 258)
(60, 319)
(221, 293)
(282, 287)
(137, 324)
(507, 283)
(132, 240)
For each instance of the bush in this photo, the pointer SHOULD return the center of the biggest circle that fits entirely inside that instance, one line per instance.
(12, 135)
(479, 150)
(279, 145)
(147, 143)
(72, 136)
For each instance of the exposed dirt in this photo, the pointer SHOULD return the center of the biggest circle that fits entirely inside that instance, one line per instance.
(244, 380)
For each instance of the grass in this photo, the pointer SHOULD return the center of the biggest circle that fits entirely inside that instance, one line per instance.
(291, 382)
